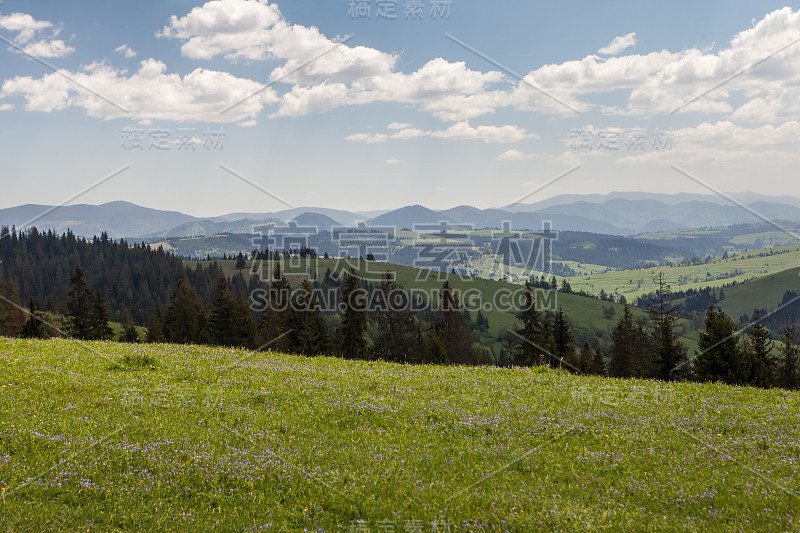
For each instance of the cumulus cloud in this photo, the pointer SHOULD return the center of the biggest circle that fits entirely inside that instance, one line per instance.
(30, 37)
(515, 155)
(340, 75)
(460, 131)
(726, 144)
(126, 51)
(618, 44)
(150, 93)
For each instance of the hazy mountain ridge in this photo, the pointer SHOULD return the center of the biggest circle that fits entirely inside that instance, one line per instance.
(617, 213)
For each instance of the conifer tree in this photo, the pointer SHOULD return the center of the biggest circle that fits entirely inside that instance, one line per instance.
(33, 328)
(351, 334)
(129, 331)
(720, 358)
(398, 336)
(670, 354)
(585, 359)
(789, 366)
(759, 353)
(622, 354)
(274, 329)
(185, 320)
(155, 326)
(312, 333)
(531, 350)
(79, 306)
(452, 329)
(100, 330)
(12, 316)
(563, 344)
(599, 362)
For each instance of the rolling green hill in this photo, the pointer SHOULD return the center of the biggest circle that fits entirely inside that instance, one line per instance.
(741, 267)
(583, 312)
(111, 437)
(763, 293)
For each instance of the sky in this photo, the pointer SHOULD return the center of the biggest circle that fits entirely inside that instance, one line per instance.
(254, 106)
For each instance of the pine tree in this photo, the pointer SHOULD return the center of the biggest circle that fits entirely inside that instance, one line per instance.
(452, 329)
(129, 331)
(155, 326)
(79, 306)
(720, 358)
(759, 353)
(789, 369)
(625, 345)
(398, 333)
(274, 329)
(669, 352)
(185, 320)
(585, 359)
(530, 351)
(100, 329)
(563, 344)
(351, 334)
(220, 317)
(33, 327)
(312, 333)
(12, 316)
(599, 362)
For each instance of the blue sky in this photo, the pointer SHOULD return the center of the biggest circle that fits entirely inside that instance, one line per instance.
(399, 114)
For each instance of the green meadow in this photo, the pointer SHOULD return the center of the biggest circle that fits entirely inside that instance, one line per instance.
(113, 437)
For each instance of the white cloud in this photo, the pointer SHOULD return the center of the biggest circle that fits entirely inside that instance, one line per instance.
(728, 146)
(399, 126)
(393, 161)
(341, 75)
(489, 134)
(369, 138)
(6, 107)
(29, 38)
(149, 94)
(126, 51)
(514, 155)
(459, 131)
(619, 44)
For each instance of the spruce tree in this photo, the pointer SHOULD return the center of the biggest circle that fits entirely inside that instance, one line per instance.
(563, 344)
(720, 358)
(33, 328)
(759, 352)
(398, 333)
(599, 362)
(155, 326)
(585, 359)
(220, 317)
(452, 329)
(129, 331)
(312, 333)
(623, 346)
(185, 320)
(100, 330)
(12, 316)
(351, 334)
(789, 366)
(669, 352)
(530, 351)
(79, 306)
(274, 329)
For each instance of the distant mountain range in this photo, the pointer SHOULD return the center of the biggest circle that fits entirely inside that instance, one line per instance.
(617, 213)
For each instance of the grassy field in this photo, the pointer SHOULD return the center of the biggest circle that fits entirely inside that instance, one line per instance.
(741, 267)
(763, 293)
(111, 437)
